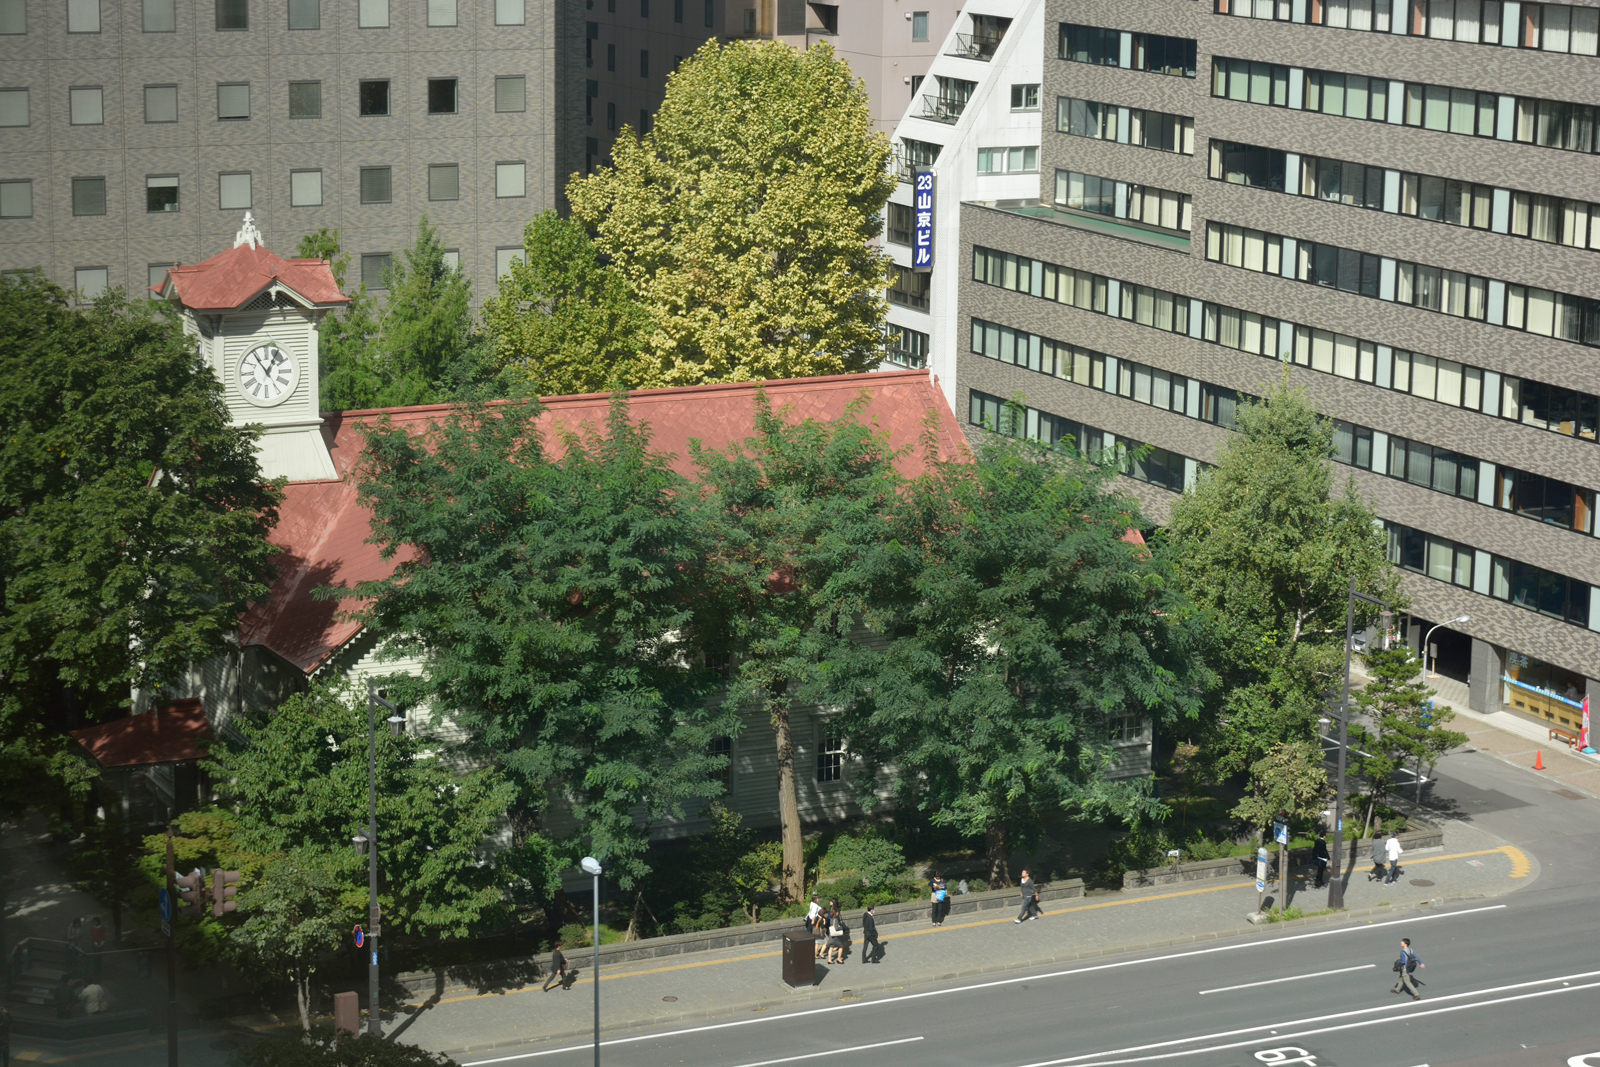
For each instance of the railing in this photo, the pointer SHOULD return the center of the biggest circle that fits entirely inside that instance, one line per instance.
(942, 109)
(974, 46)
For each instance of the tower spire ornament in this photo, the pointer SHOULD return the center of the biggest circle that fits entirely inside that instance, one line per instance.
(248, 234)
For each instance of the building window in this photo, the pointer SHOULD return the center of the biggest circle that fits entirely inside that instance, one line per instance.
(510, 179)
(88, 196)
(723, 747)
(611, 116)
(1149, 129)
(510, 12)
(233, 102)
(644, 122)
(13, 107)
(234, 191)
(161, 192)
(376, 185)
(830, 759)
(16, 200)
(444, 181)
(160, 16)
(441, 12)
(156, 277)
(908, 348)
(83, 16)
(611, 57)
(374, 266)
(910, 290)
(1123, 200)
(451, 259)
(373, 97)
(899, 224)
(1131, 51)
(588, 103)
(161, 103)
(511, 93)
(372, 14)
(1024, 98)
(441, 96)
(233, 14)
(503, 258)
(919, 25)
(87, 106)
(677, 10)
(91, 282)
(1125, 728)
(644, 9)
(305, 14)
(711, 14)
(14, 16)
(749, 22)
(305, 188)
(644, 63)
(1008, 160)
(305, 100)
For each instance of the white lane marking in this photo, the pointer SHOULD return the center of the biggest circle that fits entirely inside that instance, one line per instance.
(1311, 1020)
(832, 1052)
(1346, 1026)
(663, 1034)
(1291, 978)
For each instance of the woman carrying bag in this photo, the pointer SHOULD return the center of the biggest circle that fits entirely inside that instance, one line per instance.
(940, 898)
(835, 936)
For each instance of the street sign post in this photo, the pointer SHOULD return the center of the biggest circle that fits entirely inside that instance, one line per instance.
(165, 899)
(1261, 876)
(361, 938)
(1280, 832)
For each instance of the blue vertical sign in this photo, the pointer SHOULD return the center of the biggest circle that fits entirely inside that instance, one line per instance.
(922, 224)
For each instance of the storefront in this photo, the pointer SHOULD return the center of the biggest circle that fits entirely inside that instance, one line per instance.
(1543, 691)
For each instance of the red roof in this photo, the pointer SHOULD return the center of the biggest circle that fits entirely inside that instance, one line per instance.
(170, 734)
(233, 278)
(323, 530)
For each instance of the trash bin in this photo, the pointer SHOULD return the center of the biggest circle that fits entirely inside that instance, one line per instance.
(799, 959)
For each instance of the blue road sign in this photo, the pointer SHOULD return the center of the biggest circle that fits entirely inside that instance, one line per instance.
(361, 938)
(1280, 832)
(166, 905)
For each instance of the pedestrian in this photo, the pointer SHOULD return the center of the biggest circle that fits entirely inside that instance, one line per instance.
(1392, 850)
(1030, 900)
(1406, 965)
(63, 996)
(94, 998)
(97, 934)
(5, 1037)
(1377, 857)
(1319, 853)
(870, 946)
(811, 915)
(558, 968)
(940, 898)
(820, 930)
(835, 934)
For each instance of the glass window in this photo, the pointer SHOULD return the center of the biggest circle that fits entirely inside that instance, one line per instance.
(441, 12)
(374, 267)
(305, 14)
(233, 102)
(91, 282)
(919, 25)
(305, 188)
(441, 96)
(510, 179)
(514, 12)
(233, 14)
(83, 16)
(16, 200)
(376, 185)
(444, 181)
(510, 93)
(503, 258)
(234, 191)
(160, 16)
(1024, 98)
(156, 274)
(88, 196)
(373, 97)
(161, 193)
(161, 103)
(372, 14)
(305, 100)
(13, 107)
(13, 17)
(87, 106)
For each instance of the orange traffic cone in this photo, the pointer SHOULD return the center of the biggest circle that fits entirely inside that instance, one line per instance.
(1538, 759)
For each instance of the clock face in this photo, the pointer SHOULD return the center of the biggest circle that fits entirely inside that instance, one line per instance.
(267, 375)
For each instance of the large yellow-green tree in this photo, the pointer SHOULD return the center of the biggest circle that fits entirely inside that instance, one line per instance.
(741, 221)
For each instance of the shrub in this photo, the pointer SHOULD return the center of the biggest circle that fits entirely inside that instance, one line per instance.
(320, 1050)
(574, 935)
(870, 858)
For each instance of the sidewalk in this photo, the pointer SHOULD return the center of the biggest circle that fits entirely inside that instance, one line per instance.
(1471, 864)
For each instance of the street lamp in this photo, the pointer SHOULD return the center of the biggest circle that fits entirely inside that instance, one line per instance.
(1385, 619)
(369, 845)
(1429, 637)
(591, 866)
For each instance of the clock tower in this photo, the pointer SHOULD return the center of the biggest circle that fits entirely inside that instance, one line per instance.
(255, 317)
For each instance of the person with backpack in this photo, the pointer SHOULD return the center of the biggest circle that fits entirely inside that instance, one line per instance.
(1406, 966)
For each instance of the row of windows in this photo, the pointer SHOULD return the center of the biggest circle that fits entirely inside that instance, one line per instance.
(908, 348)
(1534, 588)
(1141, 462)
(1549, 27)
(161, 16)
(677, 11)
(1123, 200)
(611, 54)
(1552, 219)
(1518, 307)
(1550, 123)
(1130, 51)
(1023, 160)
(86, 104)
(235, 189)
(910, 290)
(1539, 404)
(1125, 125)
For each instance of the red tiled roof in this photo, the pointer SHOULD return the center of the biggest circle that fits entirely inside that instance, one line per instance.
(170, 734)
(232, 278)
(323, 529)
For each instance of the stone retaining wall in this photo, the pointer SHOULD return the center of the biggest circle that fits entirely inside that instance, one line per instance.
(1421, 836)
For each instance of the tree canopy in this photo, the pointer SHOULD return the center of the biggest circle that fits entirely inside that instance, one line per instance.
(741, 220)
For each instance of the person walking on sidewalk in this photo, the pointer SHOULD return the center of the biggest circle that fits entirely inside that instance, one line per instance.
(940, 897)
(1378, 858)
(835, 935)
(811, 914)
(1319, 854)
(1407, 965)
(1391, 851)
(1030, 900)
(870, 946)
(558, 968)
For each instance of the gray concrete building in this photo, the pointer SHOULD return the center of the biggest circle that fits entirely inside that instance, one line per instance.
(1396, 203)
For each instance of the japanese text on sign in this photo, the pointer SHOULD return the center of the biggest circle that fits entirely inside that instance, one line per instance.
(922, 228)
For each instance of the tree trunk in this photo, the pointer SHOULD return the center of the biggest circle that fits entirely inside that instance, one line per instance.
(302, 995)
(997, 852)
(1283, 877)
(793, 883)
(1419, 784)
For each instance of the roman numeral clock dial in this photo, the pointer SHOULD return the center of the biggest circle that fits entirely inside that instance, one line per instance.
(267, 375)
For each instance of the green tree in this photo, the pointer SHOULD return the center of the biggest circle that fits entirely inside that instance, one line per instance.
(563, 321)
(1288, 783)
(326, 1049)
(1029, 631)
(741, 221)
(133, 518)
(798, 520)
(1406, 728)
(297, 912)
(552, 597)
(1268, 545)
(728, 856)
(346, 339)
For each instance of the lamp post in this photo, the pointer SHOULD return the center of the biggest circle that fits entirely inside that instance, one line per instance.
(368, 843)
(1336, 883)
(591, 866)
(1425, 672)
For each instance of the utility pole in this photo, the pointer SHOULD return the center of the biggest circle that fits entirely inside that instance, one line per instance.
(396, 723)
(1336, 882)
(172, 956)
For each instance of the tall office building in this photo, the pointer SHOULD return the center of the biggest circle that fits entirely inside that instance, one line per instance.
(1397, 202)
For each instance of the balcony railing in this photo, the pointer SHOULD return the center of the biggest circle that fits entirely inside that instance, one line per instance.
(943, 108)
(974, 46)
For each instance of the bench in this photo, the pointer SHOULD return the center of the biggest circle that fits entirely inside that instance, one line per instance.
(1567, 736)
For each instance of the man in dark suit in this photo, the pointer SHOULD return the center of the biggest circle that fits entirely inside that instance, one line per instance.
(1030, 900)
(870, 945)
